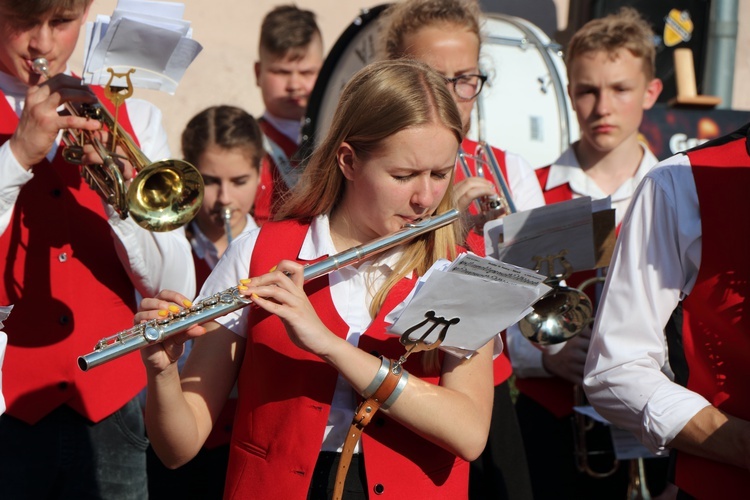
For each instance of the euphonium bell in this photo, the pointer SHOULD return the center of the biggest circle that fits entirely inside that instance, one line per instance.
(560, 315)
(162, 196)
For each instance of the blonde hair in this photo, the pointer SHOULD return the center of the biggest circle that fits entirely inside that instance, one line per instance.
(382, 99)
(624, 30)
(406, 18)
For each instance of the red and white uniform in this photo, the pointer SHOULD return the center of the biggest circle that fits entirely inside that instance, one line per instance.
(273, 185)
(292, 405)
(684, 236)
(70, 281)
(564, 180)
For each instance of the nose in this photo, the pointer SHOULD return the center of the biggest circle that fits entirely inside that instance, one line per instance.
(424, 193)
(41, 39)
(224, 195)
(603, 103)
(293, 82)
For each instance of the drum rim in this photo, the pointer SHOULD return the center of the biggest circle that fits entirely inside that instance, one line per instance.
(331, 62)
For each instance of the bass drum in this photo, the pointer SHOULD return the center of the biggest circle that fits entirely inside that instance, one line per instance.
(355, 48)
(523, 107)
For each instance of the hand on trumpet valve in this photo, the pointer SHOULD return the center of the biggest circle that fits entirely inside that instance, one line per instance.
(40, 121)
(160, 356)
(281, 292)
(567, 360)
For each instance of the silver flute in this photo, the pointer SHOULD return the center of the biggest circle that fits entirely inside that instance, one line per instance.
(226, 301)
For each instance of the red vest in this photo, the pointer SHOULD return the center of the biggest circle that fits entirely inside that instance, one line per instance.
(285, 396)
(716, 326)
(475, 242)
(69, 289)
(271, 187)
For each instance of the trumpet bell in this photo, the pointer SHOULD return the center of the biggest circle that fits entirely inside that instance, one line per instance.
(557, 317)
(165, 195)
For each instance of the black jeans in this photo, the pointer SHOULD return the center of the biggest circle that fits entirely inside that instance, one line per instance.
(66, 456)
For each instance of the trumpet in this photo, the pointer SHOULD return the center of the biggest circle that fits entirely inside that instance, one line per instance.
(226, 301)
(493, 206)
(164, 195)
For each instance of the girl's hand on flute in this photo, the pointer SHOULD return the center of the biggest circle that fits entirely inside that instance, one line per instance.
(281, 292)
(162, 355)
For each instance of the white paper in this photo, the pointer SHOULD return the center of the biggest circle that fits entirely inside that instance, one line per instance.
(149, 37)
(540, 238)
(486, 296)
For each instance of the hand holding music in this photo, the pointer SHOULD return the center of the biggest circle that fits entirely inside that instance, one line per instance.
(40, 122)
(160, 356)
(281, 292)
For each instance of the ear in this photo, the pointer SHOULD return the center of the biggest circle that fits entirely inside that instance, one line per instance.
(345, 157)
(257, 73)
(653, 89)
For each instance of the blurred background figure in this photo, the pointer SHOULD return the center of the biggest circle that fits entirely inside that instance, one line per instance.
(226, 145)
(290, 55)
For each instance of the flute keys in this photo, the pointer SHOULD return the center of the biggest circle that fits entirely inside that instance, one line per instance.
(151, 334)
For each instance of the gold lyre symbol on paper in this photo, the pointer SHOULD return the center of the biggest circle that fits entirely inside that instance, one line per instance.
(420, 344)
(550, 260)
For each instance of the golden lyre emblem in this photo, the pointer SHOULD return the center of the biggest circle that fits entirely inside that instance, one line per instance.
(678, 27)
(549, 261)
(117, 94)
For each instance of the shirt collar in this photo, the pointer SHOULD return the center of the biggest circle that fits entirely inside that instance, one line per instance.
(567, 170)
(204, 247)
(290, 128)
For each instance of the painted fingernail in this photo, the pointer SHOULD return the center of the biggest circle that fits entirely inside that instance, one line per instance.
(272, 269)
(187, 303)
(173, 308)
(163, 313)
(245, 281)
(255, 296)
(242, 287)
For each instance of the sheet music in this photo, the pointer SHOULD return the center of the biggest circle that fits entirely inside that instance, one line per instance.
(547, 234)
(148, 36)
(485, 295)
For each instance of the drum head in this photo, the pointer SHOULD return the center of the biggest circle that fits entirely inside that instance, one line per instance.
(523, 108)
(355, 48)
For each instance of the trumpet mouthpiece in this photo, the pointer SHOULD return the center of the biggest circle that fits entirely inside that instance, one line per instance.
(40, 66)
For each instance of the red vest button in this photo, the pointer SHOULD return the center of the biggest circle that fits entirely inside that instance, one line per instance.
(378, 489)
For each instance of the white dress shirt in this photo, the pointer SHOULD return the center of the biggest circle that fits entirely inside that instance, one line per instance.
(523, 183)
(205, 249)
(655, 265)
(153, 261)
(352, 289)
(525, 356)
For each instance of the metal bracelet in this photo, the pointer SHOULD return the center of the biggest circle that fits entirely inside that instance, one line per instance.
(397, 391)
(385, 365)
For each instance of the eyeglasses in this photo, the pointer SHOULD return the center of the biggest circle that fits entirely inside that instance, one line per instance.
(467, 86)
